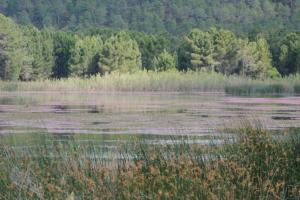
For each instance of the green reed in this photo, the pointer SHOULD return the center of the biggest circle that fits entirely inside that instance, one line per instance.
(252, 164)
(170, 81)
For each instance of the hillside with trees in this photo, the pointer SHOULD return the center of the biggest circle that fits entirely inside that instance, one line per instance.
(156, 16)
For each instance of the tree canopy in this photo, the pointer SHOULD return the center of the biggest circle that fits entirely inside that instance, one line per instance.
(12, 53)
(28, 53)
(121, 53)
(222, 51)
(176, 17)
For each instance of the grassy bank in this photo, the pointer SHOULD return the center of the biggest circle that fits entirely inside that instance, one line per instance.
(163, 81)
(257, 165)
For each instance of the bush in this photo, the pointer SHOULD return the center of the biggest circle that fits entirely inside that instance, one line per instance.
(164, 62)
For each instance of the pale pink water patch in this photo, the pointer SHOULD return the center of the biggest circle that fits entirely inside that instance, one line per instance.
(251, 100)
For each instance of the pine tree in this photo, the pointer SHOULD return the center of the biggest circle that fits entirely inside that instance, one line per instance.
(120, 53)
(220, 50)
(225, 50)
(289, 57)
(63, 45)
(255, 59)
(197, 52)
(151, 46)
(40, 48)
(83, 55)
(12, 54)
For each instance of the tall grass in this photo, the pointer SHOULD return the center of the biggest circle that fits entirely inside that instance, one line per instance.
(139, 81)
(247, 86)
(257, 165)
(171, 81)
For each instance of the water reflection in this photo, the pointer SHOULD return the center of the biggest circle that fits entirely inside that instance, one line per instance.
(140, 113)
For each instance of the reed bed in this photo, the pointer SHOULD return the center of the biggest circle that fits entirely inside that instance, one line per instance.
(248, 87)
(254, 164)
(170, 81)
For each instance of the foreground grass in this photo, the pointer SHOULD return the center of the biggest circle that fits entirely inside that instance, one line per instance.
(172, 81)
(257, 165)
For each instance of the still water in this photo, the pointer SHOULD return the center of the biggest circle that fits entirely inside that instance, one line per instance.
(149, 113)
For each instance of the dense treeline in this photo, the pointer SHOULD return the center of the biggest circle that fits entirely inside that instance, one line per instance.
(176, 17)
(27, 53)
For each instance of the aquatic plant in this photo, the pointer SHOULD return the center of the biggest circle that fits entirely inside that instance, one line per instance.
(254, 164)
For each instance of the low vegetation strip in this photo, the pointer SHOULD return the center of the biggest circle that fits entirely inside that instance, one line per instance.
(257, 165)
(242, 86)
(169, 81)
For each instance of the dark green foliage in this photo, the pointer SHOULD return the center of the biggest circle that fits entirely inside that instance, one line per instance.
(40, 48)
(176, 17)
(63, 45)
(13, 58)
(254, 59)
(226, 50)
(222, 51)
(196, 51)
(95, 65)
(289, 56)
(85, 56)
(120, 53)
(164, 62)
(213, 50)
(285, 50)
(151, 46)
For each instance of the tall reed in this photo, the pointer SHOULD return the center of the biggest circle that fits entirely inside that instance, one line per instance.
(254, 164)
(170, 81)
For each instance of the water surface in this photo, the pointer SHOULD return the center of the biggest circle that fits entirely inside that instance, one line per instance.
(140, 113)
